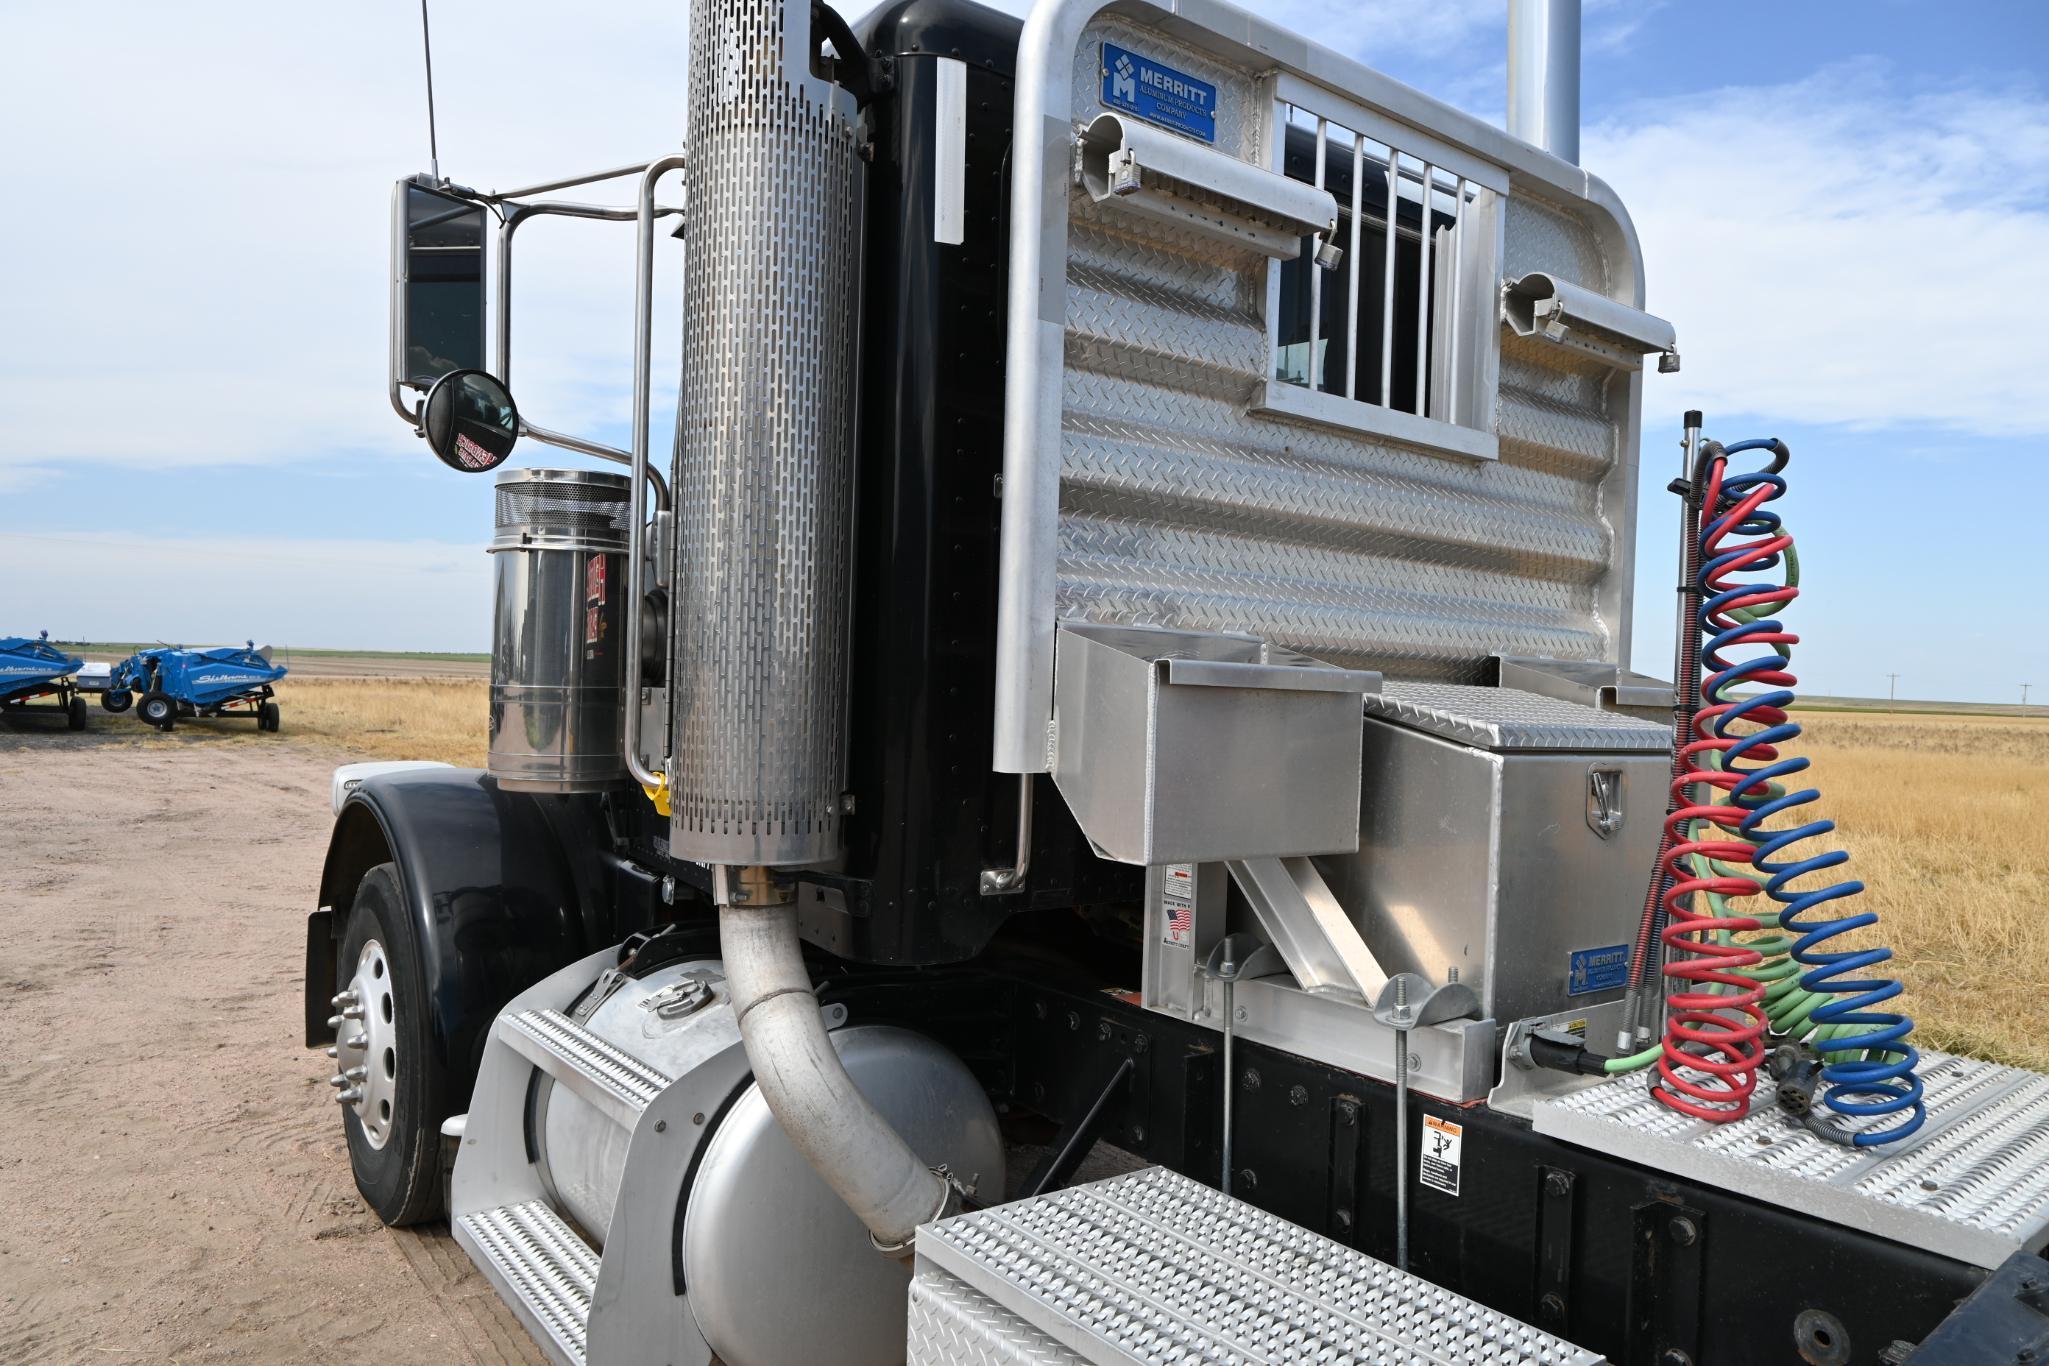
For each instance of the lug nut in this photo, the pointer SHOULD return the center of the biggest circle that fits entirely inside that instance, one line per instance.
(337, 1080)
(334, 1022)
(345, 998)
(350, 1096)
(356, 1041)
(352, 1012)
(333, 1051)
(356, 1074)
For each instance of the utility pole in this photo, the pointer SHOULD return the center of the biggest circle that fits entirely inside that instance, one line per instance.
(1892, 690)
(2024, 697)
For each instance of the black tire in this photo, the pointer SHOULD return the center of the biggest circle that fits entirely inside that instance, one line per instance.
(158, 710)
(401, 1181)
(117, 700)
(267, 717)
(74, 714)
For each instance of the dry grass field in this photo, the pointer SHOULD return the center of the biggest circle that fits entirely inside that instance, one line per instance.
(392, 718)
(1947, 822)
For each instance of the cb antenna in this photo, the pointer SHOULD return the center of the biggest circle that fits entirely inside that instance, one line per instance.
(427, 47)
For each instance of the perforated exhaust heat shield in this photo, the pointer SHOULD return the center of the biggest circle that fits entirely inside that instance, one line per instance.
(763, 474)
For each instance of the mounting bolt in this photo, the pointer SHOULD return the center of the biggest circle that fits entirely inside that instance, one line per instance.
(1247, 1179)
(1103, 1031)
(1298, 1095)
(1343, 1219)
(1683, 1231)
(1674, 1357)
(1141, 1044)
(1557, 1183)
(1552, 1305)
(1073, 1020)
(1249, 1079)
(661, 1126)
(1038, 1010)
(1138, 1133)
(1348, 1112)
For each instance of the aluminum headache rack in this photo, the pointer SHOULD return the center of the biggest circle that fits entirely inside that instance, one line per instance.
(1153, 1267)
(1258, 379)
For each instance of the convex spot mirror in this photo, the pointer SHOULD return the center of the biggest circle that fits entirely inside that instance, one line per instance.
(469, 421)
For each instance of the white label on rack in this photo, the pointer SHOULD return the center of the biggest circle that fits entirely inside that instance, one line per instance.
(1442, 1141)
(1177, 904)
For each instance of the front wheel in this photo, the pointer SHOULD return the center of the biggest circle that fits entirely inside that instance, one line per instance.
(387, 1080)
(267, 716)
(74, 714)
(117, 700)
(158, 710)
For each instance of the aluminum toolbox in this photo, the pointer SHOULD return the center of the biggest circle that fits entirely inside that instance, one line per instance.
(1192, 747)
(1473, 853)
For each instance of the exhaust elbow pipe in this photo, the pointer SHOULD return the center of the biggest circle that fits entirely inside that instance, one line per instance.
(844, 1138)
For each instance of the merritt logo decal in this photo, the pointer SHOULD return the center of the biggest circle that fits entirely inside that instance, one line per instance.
(1158, 93)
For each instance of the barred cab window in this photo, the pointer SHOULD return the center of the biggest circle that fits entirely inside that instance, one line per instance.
(1400, 339)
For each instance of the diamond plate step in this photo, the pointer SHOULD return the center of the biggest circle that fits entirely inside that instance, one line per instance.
(1973, 1184)
(1155, 1268)
(616, 1083)
(540, 1267)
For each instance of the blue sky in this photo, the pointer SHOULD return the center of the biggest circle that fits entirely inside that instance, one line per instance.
(1844, 207)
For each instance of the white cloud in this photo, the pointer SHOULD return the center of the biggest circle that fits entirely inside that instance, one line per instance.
(348, 594)
(198, 247)
(1842, 250)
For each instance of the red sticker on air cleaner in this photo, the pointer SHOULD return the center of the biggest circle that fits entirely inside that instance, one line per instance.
(594, 579)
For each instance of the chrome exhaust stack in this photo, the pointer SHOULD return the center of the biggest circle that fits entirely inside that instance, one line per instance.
(1543, 75)
(764, 474)
(764, 470)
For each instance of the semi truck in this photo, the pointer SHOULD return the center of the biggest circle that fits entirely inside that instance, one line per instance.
(1094, 806)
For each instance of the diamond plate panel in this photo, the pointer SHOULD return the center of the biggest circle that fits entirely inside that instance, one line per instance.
(1179, 508)
(1509, 719)
(1152, 1267)
(951, 1325)
(759, 622)
(1973, 1184)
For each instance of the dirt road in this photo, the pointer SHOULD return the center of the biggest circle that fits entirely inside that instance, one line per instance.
(172, 1174)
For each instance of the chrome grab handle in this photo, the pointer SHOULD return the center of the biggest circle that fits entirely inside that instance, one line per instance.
(643, 359)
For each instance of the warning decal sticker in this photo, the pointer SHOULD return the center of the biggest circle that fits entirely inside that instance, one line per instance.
(1442, 1140)
(1177, 901)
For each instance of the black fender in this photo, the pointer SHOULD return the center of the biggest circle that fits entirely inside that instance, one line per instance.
(493, 890)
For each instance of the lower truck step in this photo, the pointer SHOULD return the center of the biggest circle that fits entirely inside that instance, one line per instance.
(540, 1267)
(1153, 1267)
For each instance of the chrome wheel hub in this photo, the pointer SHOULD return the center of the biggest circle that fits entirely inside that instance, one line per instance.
(366, 1047)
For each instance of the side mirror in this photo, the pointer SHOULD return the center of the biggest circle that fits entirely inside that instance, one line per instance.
(469, 421)
(437, 290)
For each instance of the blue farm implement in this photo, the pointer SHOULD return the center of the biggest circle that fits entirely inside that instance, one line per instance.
(31, 670)
(174, 682)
